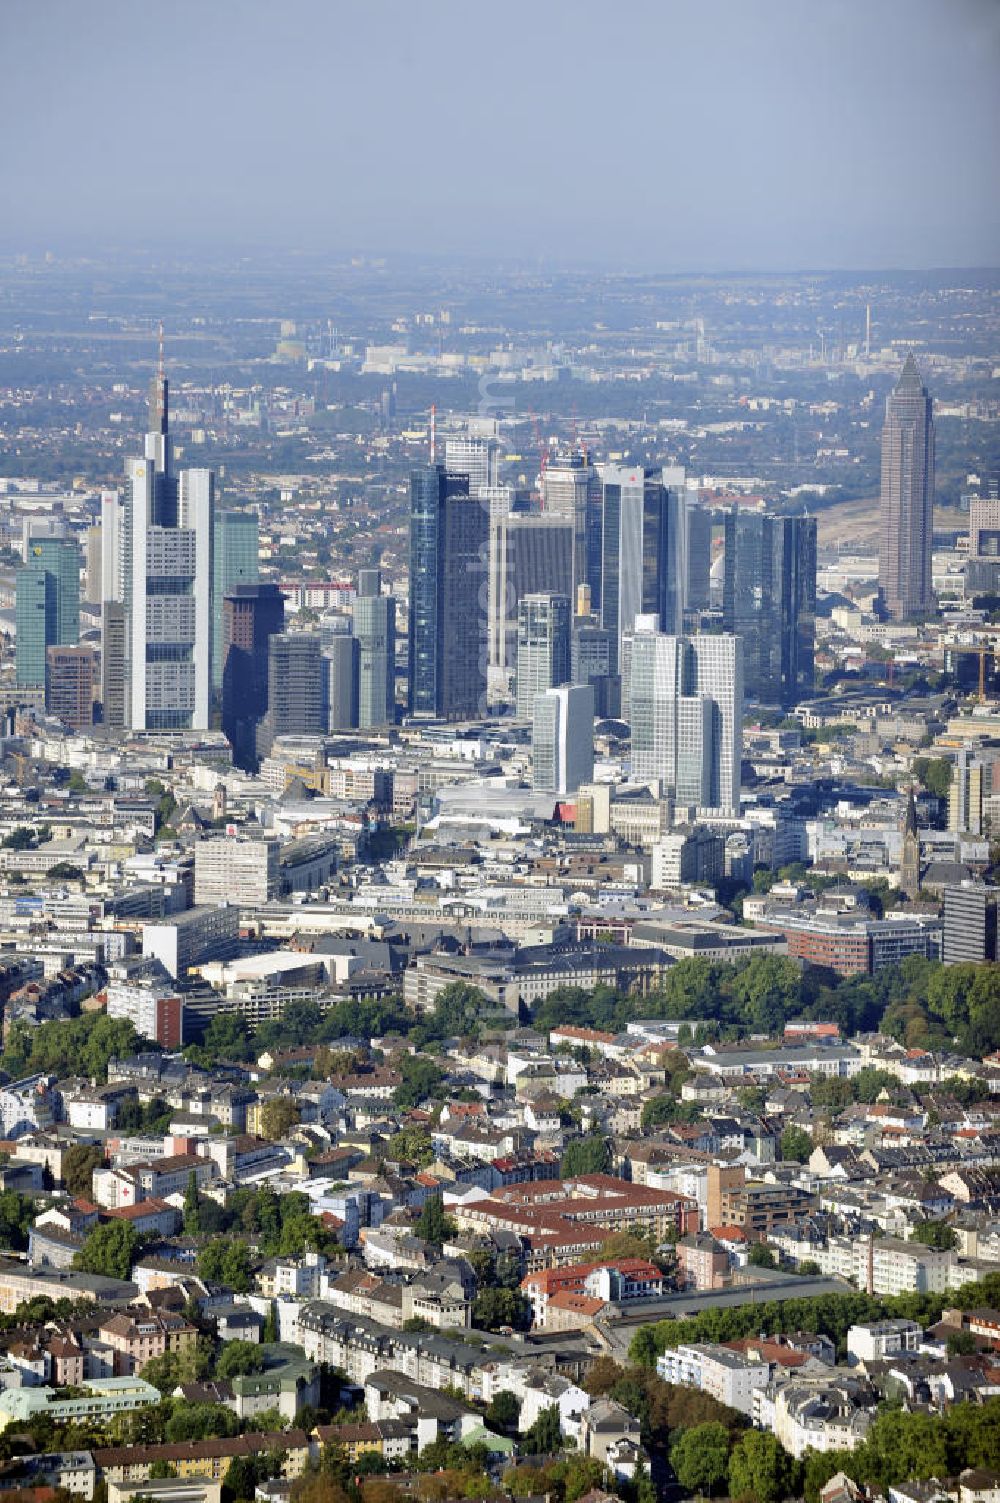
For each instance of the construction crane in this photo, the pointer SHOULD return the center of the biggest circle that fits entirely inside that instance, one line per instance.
(543, 452)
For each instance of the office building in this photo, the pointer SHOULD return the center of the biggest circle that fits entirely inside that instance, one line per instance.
(70, 674)
(449, 539)
(590, 663)
(699, 558)
(474, 455)
(769, 600)
(531, 553)
(93, 565)
(970, 924)
(562, 739)
(543, 648)
(982, 572)
(113, 665)
(46, 605)
(571, 488)
(375, 633)
(686, 707)
(251, 615)
(235, 561)
(296, 689)
(157, 563)
(907, 499)
(644, 553)
(140, 991)
(229, 864)
(974, 779)
(342, 659)
(35, 620)
(189, 938)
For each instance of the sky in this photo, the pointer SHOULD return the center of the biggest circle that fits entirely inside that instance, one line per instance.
(673, 135)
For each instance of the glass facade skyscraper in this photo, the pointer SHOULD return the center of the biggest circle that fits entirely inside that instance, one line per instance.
(644, 553)
(907, 498)
(375, 631)
(47, 605)
(686, 707)
(236, 561)
(543, 648)
(449, 541)
(35, 617)
(769, 600)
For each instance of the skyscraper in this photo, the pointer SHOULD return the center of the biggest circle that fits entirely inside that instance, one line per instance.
(699, 558)
(686, 705)
(35, 619)
(562, 739)
(296, 689)
(157, 563)
(531, 553)
(235, 561)
(590, 663)
(571, 488)
(375, 632)
(476, 455)
(342, 658)
(907, 498)
(970, 924)
(769, 599)
(251, 615)
(69, 685)
(543, 648)
(644, 553)
(449, 536)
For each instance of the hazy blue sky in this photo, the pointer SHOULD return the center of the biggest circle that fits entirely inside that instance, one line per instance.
(680, 134)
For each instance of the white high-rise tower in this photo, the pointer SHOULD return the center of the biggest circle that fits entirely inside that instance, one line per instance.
(157, 541)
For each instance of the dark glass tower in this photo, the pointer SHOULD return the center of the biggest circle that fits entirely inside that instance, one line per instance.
(251, 615)
(769, 600)
(907, 499)
(449, 541)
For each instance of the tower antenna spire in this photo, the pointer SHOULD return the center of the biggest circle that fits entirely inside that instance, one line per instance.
(433, 432)
(160, 366)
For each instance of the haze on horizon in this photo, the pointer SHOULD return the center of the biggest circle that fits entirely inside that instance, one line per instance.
(675, 135)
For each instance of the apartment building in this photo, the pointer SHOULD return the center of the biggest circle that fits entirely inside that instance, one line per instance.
(729, 1376)
(236, 869)
(618, 1280)
(202, 1458)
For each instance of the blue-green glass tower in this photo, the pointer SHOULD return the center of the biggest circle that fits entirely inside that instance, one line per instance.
(236, 561)
(35, 612)
(47, 605)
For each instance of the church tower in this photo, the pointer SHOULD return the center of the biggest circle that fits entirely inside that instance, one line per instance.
(909, 866)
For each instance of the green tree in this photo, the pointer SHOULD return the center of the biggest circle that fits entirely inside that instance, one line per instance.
(760, 1468)
(238, 1358)
(192, 1207)
(545, 1436)
(226, 1260)
(504, 1412)
(796, 1144)
(935, 1234)
(413, 1146)
(700, 1458)
(589, 1155)
(761, 1256)
(432, 1224)
(277, 1118)
(422, 1080)
(493, 1308)
(935, 774)
(110, 1250)
(78, 1165)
